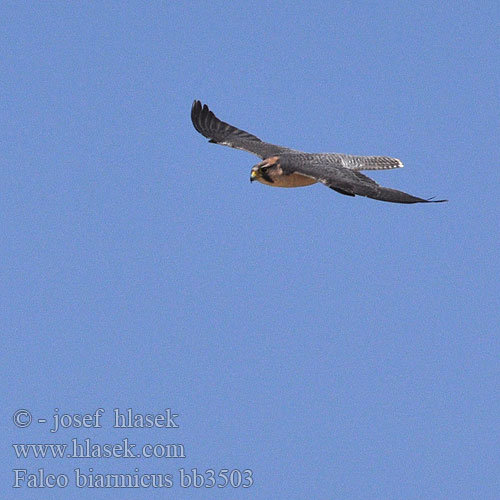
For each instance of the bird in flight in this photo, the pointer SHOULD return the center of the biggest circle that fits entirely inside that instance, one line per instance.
(285, 167)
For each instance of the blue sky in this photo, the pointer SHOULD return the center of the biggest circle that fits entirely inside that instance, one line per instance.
(340, 348)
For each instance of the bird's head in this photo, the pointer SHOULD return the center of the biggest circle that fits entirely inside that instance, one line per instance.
(266, 171)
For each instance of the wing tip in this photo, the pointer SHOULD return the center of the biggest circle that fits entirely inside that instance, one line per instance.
(432, 200)
(199, 115)
(196, 106)
(195, 112)
(423, 200)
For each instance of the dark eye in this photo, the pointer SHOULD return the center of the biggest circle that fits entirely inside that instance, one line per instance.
(264, 169)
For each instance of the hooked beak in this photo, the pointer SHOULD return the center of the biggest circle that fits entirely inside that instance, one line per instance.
(253, 175)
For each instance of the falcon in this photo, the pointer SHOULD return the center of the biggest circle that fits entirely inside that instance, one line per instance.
(285, 167)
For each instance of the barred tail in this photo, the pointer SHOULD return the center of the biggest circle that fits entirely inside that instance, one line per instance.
(373, 163)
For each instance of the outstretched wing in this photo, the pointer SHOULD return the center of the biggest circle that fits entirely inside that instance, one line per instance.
(219, 132)
(347, 181)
